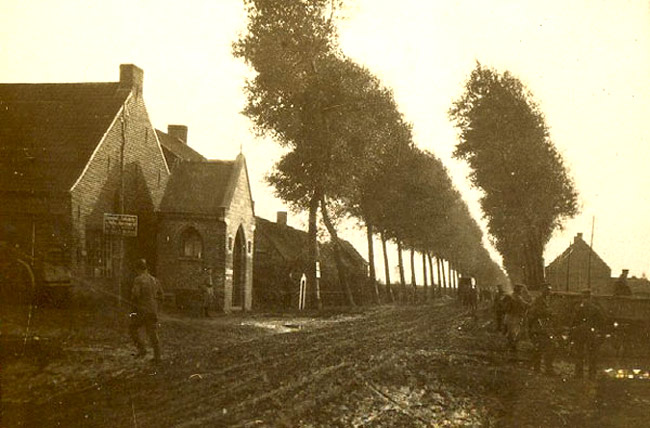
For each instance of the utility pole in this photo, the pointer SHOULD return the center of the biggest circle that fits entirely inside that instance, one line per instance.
(120, 268)
(568, 266)
(33, 252)
(591, 250)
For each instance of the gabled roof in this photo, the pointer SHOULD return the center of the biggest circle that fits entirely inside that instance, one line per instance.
(578, 245)
(290, 243)
(175, 149)
(199, 187)
(351, 257)
(48, 132)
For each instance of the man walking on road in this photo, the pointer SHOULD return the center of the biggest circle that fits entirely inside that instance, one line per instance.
(500, 304)
(145, 297)
(540, 329)
(588, 320)
(515, 313)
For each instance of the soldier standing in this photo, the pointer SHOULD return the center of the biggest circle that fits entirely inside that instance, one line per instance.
(587, 323)
(472, 300)
(516, 311)
(207, 294)
(500, 305)
(145, 295)
(540, 329)
(621, 288)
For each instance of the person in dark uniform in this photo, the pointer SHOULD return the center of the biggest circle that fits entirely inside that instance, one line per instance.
(587, 324)
(517, 307)
(146, 295)
(472, 300)
(500, 305)
(540, 330)
(207, 293)
(621, 288)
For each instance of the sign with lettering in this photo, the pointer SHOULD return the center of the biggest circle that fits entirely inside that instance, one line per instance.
(120, 224)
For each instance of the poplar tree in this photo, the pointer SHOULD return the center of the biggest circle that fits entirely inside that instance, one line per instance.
(527, 191)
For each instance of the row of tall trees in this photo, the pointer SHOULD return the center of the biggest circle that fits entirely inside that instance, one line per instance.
(349, 150)
(527, 191)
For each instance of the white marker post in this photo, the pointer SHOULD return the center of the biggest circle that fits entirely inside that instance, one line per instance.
(303, 292)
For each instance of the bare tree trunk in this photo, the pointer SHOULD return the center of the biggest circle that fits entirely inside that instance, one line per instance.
(400, 264)
(525, 263)
(433, 284)
(389, 288)
(439, 270)
(337, 252)
(451, 279)
(424, 276)
(536, 261)
(413, 280)
(444, 278)
(312, 279)
(371, 262)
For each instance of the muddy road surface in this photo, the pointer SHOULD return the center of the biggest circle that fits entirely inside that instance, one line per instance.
(389, 366)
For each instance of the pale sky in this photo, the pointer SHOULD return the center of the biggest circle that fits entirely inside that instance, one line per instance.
(587, 63)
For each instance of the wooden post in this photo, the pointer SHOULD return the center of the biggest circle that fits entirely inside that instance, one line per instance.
(591, 250)
(120, 265)
(568, 265)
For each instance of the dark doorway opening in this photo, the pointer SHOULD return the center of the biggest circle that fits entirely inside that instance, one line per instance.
(239, 269)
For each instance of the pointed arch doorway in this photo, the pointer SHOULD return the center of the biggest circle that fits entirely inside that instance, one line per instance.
(239, 270)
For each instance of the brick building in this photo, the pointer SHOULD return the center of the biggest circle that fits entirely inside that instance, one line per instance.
(280, 259)
(206, 231)
(571, 270)
(69, 153)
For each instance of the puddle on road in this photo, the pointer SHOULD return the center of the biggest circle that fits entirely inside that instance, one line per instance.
(277, 327)
(294, 325)
(626, 373)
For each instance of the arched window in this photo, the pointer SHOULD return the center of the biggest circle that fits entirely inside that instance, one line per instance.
(191, 244)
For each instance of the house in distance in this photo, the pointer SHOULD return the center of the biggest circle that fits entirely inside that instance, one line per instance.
(281, 258)
(579, 266)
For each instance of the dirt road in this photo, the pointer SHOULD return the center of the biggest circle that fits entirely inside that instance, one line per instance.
(382, 367)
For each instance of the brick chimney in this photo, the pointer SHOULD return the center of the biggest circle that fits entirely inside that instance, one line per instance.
(131, 78)
(282, 218)
(178, 131)
(578, 237)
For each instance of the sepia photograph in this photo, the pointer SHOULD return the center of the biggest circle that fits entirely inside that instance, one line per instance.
(324, 213)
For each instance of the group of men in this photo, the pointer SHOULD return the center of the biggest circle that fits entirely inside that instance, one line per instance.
(513, 313)
(517, 312)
